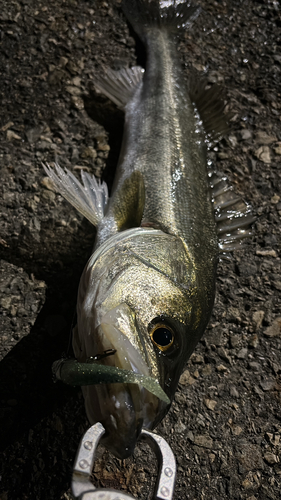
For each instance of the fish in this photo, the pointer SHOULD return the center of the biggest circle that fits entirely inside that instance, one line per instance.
(147, 291)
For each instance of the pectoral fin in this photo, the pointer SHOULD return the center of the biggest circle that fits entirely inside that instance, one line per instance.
(89, 198)
(129, 201)
(120, 86)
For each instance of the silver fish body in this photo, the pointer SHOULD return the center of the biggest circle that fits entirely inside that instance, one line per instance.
(147, 292)
(162, 272)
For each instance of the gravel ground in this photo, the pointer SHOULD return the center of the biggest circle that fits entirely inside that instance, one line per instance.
(225, 424)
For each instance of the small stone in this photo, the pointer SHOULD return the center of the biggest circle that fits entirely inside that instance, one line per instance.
(257, 319)
(256, 367)
(72, 67)
(277, 285)
(12, 135)
(233, 314)
(263, 138)
(49, 196)
(33, 134)
(73, 90)
(206, 370)
(186, 378)
(236, 430)
(63, 61)
(268, 436)
(276, 440)
(48, 184)
(246, 134)
(211, 404)
(233, 140)
(278, 149)
(266, 253)
(233, 392)
(275, 199)
(76, 81)
(6, 302)
(270, 458)
(204, 440)
(247, 269)
(243, 353)
(274, 330)
(267, 384)
(179, 427)
(190, 436)
(89, 152)
(263, 154)
(199, 67)
(6, 126)
(221, 368)
(247, 484)
(223, 354)
(103, 147)
(215, 337)
(235, 340)
(77, 102)
(223, 156)
(276, 367)
(197, 358)
(249, 456)
(253, 341)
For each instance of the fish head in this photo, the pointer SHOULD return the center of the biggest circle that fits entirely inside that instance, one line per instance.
(137, 303)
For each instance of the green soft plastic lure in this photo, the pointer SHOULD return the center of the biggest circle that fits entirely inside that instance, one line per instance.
(73, 373)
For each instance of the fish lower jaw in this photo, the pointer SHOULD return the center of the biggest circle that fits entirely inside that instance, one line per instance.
(124, 410)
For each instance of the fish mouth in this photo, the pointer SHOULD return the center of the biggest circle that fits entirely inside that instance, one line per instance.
(123, 408)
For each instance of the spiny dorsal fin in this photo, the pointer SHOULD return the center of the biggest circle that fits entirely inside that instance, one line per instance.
(129, 203)
(233, 215)
(120, 86)
(90, 199)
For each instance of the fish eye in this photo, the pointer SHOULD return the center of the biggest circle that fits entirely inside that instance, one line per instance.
(162, 336)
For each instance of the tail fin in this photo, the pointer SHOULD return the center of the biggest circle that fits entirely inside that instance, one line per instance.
(172, 14)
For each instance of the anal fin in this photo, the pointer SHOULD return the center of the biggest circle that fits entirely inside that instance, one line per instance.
(210, 106)
(233, 215)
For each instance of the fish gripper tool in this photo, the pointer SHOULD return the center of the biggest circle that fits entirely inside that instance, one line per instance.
(83, 489)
